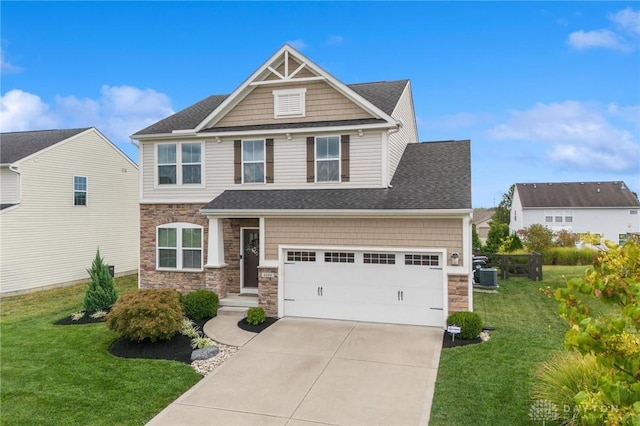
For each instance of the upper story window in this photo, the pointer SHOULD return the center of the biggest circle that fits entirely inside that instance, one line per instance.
(568, 216)
(253, 161)
(328, 159)
(179, 163)
(548, 216)
(633, 211)
(179, 246)
(289, 103)
(558, 216)
(79, 190)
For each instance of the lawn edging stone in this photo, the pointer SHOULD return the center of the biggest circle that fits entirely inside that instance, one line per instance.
(204, 353)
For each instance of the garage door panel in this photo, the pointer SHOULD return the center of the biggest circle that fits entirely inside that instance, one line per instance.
(341, 285)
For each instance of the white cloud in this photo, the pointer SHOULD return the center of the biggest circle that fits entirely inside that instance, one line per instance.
(583, 40)
(21, 111)
(118, 112)
(627, 19)
(7, 67)
(297, 44)
(578, 135)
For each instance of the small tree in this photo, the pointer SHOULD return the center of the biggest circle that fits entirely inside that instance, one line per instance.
(565, 238)
(510, 244)
(536, 237)
(100, 293)
(476, 244)
(497, 233)
(614, 339)
(502, 213)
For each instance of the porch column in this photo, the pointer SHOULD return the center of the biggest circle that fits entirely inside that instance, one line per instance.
(215, 246)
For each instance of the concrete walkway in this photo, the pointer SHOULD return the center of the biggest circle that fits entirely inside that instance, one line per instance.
(318, 372)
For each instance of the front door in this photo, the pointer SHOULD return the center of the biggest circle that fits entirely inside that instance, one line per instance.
(249, 261)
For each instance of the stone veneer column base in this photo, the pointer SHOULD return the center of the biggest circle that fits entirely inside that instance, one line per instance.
(215, 279)
(458, 291)
(268, 290)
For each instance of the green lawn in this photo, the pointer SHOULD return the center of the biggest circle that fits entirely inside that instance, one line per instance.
(64, 375)
(490, 383)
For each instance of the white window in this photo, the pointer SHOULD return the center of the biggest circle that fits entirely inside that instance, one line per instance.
(79, 190)
(179, 246)
(421, 259)
(289, 103)
(568, 216)
(301, 256)
(179, 163)
(633, 211)
(379, 258)
(339, 257)
(328, 159)
(548, 216)
(558, 216)
(253, 161)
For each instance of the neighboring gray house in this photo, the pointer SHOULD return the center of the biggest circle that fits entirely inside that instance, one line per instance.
(482, 221)
(608, 209)
(63, 194)
(313, 195)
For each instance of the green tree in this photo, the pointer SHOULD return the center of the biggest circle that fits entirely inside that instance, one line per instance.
(510, 244)
(536, 237)
(476, 244)
(497, 233)
(502, 213)
(101, 293)
(614, 339)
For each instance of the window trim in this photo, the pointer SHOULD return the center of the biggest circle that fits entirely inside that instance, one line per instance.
(263, 162)
(280, 93)
(179, 227)
(179, 164)
(86, 191)
(316, 159)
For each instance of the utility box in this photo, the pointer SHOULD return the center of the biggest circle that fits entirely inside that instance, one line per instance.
(489, 277)
(112, 270)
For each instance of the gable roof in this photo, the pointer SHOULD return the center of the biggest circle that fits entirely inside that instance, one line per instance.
(482, 215)
(575, 195)
(430, 176)
(383, 94)
(15, 146)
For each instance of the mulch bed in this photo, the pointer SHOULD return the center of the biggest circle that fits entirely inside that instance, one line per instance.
(86, 319)
(243, 324)
(447, 342)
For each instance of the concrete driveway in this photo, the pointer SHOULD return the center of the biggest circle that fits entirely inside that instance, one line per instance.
(310, 372)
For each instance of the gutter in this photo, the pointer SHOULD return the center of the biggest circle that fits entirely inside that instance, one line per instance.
(251, 213)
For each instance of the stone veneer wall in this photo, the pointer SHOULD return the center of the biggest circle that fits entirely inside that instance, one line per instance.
(268, 290)
(231, 231)
(153, 215)
(458, 293)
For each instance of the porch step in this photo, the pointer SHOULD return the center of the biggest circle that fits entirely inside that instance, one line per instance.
(232, 311)
(240, 300)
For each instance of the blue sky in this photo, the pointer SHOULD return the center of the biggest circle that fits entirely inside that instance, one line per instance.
(547, 92)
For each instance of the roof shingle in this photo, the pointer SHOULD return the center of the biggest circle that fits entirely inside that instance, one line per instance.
(15, 146)
(576, 194)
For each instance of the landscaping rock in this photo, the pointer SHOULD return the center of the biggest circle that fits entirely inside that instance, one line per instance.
(204, 353)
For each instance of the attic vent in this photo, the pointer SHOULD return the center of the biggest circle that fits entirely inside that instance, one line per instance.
(289, 103)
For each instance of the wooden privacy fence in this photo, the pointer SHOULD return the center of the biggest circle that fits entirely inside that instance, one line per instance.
(516, 265)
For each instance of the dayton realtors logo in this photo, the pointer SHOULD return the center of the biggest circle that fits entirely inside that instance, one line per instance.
(543, 411)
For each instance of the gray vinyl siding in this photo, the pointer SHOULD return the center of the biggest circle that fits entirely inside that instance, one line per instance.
(407, 134)
(9, 186)
(289, 168)
(47, 240)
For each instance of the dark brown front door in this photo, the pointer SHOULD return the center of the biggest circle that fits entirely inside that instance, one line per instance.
(250, 258)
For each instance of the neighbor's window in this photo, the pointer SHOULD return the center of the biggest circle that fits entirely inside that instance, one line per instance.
(253, 161)
(179, 246)
(568, 216)
(179, 163)
(328, 159)
(79, 190)
(289, 103)
(548, 216)
(622, 238)
(633, 211)
(558, 216)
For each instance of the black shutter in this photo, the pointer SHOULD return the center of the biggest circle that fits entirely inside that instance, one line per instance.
(269, 174)
(237, 161)
(344, 158)
(311, 167)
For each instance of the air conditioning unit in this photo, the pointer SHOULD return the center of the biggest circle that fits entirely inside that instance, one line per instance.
(489, 277)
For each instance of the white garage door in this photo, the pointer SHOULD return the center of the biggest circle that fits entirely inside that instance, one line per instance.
(392, 287)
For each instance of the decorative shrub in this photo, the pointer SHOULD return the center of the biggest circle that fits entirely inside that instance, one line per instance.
(189, 328)
(101, 293)
(470, 324)
(147, 314)
(569, 256)
(201, 342)
(256, 316)
(561, 378)
(200, 304)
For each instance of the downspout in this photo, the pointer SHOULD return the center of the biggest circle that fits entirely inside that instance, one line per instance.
(16, 171)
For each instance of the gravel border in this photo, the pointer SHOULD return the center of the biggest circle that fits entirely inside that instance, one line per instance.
(207, 366)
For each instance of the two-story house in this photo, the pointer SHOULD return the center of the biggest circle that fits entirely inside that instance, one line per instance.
(64, 193)
(608, 209)
(312, 194)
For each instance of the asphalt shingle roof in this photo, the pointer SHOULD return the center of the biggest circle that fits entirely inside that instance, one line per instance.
(382, 94)
(431, 175)
(15, 146)
(576, 194)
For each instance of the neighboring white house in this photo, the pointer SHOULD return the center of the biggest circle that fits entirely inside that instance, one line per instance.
(63, 194)
(312, 194)
(608, 209)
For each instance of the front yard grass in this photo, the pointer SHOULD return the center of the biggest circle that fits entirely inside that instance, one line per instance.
(64, 375)
(490, 383)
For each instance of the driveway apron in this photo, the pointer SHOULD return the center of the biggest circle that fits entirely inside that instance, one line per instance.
(308, 372)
